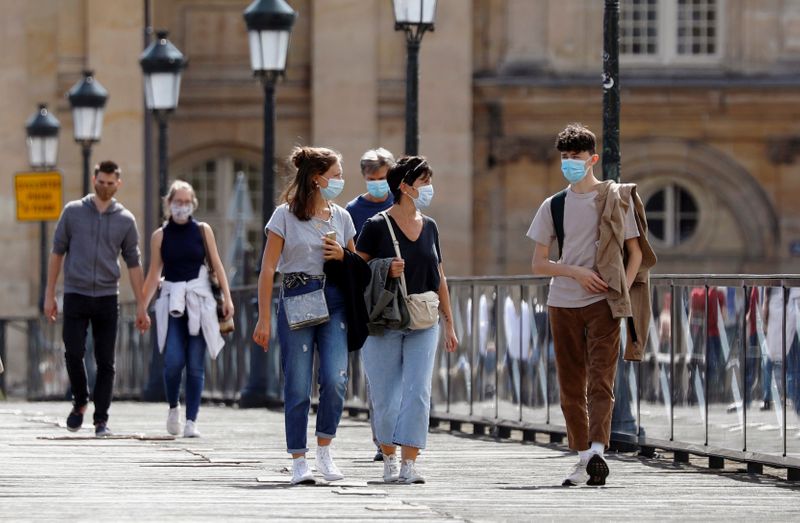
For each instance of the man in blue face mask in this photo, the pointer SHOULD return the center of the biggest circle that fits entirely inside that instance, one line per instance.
(375, 163)
(590, 293)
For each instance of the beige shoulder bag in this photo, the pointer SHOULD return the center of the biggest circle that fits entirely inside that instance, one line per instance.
(423, 308)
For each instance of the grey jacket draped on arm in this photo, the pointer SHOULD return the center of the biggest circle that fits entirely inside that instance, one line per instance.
(385, 305)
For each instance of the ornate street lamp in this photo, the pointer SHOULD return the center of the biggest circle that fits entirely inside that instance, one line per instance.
(42, 139)
(414, 17)
(88, 100)
(269, 26)
(42, 130)
(162, 64)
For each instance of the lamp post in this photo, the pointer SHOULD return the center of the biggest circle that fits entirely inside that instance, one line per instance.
(611, 156)
(414, 17)
(42, 133)
(162, 64)
(269, 26)
(88, 100)
(623, 420)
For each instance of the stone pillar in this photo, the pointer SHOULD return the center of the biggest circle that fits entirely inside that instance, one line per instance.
(114, 43)
(344, 96)
(445, 121)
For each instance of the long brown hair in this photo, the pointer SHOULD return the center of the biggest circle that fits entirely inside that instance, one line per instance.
(309, 162)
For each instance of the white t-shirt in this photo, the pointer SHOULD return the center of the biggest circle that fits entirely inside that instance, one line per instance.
(302, 247)
(775, 320)
(517, 349)
(581, 236)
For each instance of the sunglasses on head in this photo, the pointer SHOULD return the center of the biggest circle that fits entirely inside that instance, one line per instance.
(414, 171)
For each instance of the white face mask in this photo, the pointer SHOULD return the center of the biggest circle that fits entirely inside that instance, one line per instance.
(180, 213)
(425, 196)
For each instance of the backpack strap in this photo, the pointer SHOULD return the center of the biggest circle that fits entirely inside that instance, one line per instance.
(557, 203)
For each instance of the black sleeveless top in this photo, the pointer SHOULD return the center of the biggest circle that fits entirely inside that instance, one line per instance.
(182, 250)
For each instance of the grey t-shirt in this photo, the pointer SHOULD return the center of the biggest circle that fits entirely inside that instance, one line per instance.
(581, 235)
(302, 247)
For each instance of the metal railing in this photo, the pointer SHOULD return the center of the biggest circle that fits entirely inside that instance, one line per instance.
(720, 377)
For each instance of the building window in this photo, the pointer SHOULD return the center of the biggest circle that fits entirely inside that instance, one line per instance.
(214, 182)
(670, 31)
(672, 215)
(638, 27)
(203, 178)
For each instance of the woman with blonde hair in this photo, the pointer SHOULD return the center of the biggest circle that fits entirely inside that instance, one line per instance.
(186, 311)
(303, 233)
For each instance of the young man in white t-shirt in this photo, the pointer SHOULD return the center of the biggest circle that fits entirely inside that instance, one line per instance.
(585, 333)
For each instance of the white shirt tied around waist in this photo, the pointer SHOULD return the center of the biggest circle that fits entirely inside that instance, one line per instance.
(194, 298)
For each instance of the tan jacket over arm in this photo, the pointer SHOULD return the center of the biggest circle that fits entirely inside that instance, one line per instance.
(613, 201)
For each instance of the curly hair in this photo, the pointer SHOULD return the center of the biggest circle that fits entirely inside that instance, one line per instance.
(576, 138)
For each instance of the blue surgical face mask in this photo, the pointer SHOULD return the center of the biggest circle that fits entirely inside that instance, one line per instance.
(334, 188)
(425, 196)
(573, 170)
(378, 188)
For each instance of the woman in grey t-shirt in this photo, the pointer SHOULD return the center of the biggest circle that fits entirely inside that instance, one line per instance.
(304, 232)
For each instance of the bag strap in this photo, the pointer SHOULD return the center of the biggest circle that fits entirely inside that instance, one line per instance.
(203, 226)
(557, 203)
(403, 289)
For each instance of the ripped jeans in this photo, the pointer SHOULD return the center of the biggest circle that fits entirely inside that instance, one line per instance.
(297, 363)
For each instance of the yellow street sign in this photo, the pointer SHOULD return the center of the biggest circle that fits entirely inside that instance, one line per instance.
(38, 196)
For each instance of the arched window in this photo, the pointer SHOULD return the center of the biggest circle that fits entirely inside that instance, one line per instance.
(214, 182)
(672, 215)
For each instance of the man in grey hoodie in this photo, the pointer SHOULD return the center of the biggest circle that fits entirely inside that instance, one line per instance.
(90, 235)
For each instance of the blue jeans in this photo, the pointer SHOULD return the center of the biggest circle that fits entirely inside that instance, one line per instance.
(297, 362)
(183, 350)
(399, 368)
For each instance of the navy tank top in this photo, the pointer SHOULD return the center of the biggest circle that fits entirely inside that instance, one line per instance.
(182, 250)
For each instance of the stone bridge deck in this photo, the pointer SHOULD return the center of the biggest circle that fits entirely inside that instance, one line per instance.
(238, 470)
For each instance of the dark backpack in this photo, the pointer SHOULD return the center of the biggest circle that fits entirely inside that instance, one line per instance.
(557, 213)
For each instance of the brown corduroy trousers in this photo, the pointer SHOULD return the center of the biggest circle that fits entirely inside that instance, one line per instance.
(586, 341)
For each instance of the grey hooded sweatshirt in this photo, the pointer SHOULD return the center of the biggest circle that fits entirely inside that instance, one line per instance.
(91, 244)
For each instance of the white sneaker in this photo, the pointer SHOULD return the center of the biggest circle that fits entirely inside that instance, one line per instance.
(326, 466)
(577, 475)
(409, 474)
(301, 474)
(190, 429)
(391, 468)
(174, 421)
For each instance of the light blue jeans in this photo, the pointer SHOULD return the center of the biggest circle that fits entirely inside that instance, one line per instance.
(183, 350)
(399, 368)
(297, 362)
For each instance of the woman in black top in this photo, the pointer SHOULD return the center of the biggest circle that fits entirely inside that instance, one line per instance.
(399, 364)
(186, 312)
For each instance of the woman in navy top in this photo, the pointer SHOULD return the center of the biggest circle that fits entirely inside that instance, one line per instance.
(185, 306)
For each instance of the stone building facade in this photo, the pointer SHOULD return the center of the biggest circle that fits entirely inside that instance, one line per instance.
(710, 115)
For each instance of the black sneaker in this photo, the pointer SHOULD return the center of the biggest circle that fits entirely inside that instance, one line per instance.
(378, 456)
(74, 420)
(597, 468)
(101, 430)
(767, 405)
